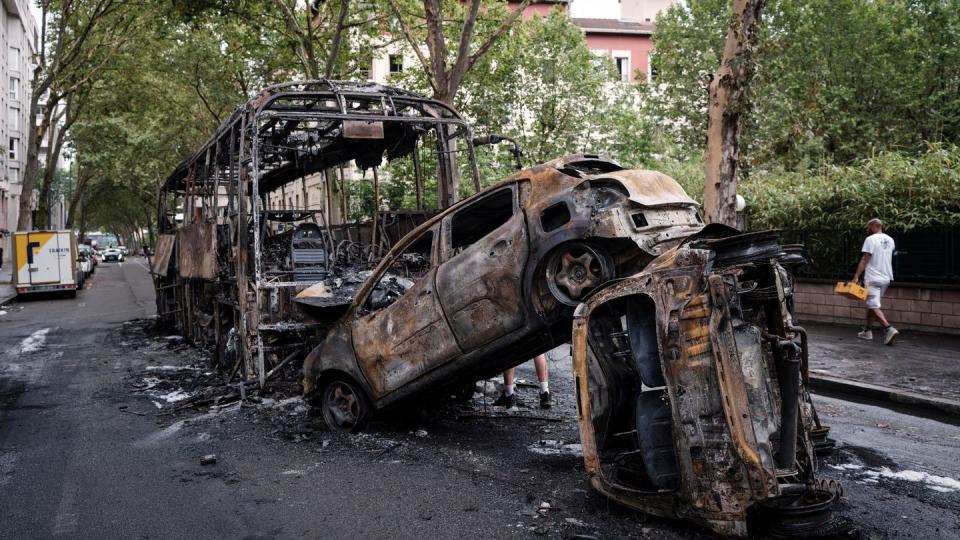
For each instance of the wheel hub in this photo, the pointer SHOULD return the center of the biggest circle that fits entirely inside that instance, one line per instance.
(342, 406)
(576, 269)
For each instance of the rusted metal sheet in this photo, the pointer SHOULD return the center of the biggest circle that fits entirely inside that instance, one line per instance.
(161, 257)
(712, 436)
(362, 129)
(196, 254)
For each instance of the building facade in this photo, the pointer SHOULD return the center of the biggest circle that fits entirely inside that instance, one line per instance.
(19, 41)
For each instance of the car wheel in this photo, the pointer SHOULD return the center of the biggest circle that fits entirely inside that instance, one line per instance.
(576, 268)
(345, 406)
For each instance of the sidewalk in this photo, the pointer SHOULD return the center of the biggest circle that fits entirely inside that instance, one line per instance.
(920, 369)
(7, 292)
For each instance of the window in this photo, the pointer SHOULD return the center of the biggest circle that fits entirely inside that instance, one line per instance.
(480, 219)
(14, 118)
(13, 62)
(623, 68)
(14, 143)
(651, 69)
(406, 269)
(396, 63)
(14, 90)
(15, 175)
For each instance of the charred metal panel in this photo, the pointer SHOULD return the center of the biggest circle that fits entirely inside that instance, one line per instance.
(196, 254)
(161, 257)
(480, 288)
(404, 340)
(726, 341)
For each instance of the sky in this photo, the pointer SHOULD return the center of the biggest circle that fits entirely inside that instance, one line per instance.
(595, 9)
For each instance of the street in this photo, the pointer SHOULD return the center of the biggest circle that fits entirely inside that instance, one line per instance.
(88, 450)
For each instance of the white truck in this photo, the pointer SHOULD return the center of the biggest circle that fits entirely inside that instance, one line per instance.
(46, 261)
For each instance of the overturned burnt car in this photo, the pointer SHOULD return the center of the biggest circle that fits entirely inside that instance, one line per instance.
(690, 389)
(492, 281)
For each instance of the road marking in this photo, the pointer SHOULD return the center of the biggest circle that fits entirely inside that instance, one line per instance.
(32, 343)
(8, 460)
(66, 520)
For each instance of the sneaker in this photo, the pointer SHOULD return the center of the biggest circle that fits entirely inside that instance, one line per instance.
(544, 400)
(866, 334)
(890, 335)
(506, 401)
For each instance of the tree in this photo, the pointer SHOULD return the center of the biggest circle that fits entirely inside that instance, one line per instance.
(728, 91)
(837, 80)
(543, 87)
(74, 47)
(445, 67)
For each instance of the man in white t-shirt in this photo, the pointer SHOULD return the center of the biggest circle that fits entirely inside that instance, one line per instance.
(876, 267)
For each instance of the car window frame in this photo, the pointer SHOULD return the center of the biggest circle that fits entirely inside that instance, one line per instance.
(363, 295)
(446, 253)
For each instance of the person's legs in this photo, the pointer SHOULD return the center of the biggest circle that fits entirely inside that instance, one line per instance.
(540, 363)
(867, 333)
(878, 315)
(508, 398)
(509, 378)
(875, 293)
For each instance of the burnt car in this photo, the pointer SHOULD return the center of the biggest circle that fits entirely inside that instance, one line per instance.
(491, 282)
(690, 382)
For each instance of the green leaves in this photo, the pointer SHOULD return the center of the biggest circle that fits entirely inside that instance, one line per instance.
(837, 79)
(905, 191)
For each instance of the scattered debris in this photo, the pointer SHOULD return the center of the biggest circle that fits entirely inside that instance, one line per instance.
(208, 459)
(549, 447)
(421, 433)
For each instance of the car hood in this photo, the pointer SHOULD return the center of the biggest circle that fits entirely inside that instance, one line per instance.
(649, 188)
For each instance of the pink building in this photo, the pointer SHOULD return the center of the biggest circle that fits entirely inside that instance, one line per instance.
(625, 41)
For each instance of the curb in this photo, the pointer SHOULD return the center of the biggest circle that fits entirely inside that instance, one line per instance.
(885, 393)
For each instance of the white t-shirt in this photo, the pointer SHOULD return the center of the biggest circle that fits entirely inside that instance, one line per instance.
(880, 268)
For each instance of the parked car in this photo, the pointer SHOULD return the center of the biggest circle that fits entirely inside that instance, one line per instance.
(112, 254)
(123, 250)
(90, 254)
(84, 268)
(491, 282)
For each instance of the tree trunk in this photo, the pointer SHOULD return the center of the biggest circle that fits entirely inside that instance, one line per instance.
(727, 102)
(34, 140)
(54, 147)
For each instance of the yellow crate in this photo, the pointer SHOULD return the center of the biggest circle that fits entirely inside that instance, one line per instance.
(850, 290)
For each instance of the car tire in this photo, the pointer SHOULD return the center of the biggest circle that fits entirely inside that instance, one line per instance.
(574, 269)
(345, 405)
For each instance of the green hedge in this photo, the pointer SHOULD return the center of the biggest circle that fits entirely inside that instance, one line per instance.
(905, 191)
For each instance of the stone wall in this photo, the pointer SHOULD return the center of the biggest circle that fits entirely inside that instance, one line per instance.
(927, 308)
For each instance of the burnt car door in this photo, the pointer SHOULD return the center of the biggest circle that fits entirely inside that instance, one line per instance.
(485, 250)
(401, 333)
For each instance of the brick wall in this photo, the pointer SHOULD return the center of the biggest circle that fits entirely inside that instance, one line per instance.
(905, 306)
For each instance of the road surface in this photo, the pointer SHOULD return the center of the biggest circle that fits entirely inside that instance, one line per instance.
(85, 452)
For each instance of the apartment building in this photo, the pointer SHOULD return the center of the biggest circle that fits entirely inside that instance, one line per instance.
(57, 205)
(19, 39)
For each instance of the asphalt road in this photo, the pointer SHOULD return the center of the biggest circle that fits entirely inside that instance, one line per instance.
(85, 452)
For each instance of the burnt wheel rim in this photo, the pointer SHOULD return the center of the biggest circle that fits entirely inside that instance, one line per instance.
(341, 406)
(574, 271)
